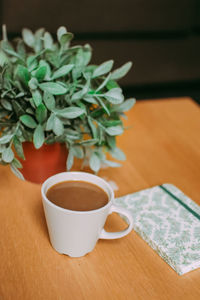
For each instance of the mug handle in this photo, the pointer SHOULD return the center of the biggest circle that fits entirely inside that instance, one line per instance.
(116, 235)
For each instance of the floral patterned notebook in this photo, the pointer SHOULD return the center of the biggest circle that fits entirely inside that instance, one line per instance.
(169, 222)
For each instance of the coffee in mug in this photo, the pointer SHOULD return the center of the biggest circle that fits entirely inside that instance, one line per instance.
(77, 195)
(75, 219)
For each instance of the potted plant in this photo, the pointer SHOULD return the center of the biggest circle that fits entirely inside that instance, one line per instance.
(51, 96)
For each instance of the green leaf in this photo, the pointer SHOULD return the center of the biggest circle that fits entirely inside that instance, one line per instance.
(125, 106)
(80, 94)
(33, 83)
(92, 127)
(79, 58)
(64, 84)
(58, 127)
(109, 123)
(16, 163)
(41, 113)
(28, 37)
(48, 41)
(94, 162)
(43, 63)
(2, 148)
(66, 38)
(78, 151)
(50, 122)
(7, 155)
(87, 54)
(118, 154)
(37, 97)
(21, 50)
(103, 105)
(38, 137)
(114, 130)
(85, 88)
(111, 84)
(38, 39)
(18, 147)
(114, 96)
(60, 32)
(76, 72)
(28, 121)
(103, 83)
(71, 112)
(111, 140)
(101, 135)
(6, 84)
(72, 134)
(77, 96)
(3, 59)
(64, 70)
(6, 46)
(23, 74)
(121, 72)
(31, 63)
(16, 172)
(103, 69)
(101, 153)
(90, 99)
(63, 36)
(89, 70)
(70, 159)
(112, 164)
(6, 104)
(53, 58)
(6, 138)
(40, 73)
(21, 94)
(97, 113)
(89, 142)
(82, 58)
(49, 100)
(32, 102)
(53, 88)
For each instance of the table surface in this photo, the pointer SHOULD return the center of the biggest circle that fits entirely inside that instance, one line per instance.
(162, 145)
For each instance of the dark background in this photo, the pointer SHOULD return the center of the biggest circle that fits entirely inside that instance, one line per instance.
(160, 37)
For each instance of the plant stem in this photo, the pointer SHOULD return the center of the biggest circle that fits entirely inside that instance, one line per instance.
(4, 32)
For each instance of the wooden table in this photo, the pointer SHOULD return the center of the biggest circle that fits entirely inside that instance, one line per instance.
(162, 145)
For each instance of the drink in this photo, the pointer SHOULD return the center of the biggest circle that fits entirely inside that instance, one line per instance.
(77, 195)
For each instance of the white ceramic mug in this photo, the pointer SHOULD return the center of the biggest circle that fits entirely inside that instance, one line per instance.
(75, 233)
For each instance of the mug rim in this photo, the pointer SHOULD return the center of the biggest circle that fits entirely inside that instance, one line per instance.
(109, 188)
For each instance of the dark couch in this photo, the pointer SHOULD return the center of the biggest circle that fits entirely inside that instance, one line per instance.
(162, 38)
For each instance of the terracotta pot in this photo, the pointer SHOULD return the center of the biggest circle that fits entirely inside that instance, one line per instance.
(41, 163)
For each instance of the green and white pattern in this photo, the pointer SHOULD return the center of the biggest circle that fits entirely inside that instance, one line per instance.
(169, 222)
